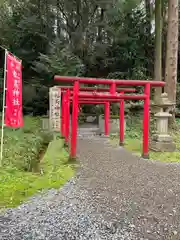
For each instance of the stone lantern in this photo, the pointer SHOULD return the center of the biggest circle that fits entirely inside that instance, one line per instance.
(162, 141)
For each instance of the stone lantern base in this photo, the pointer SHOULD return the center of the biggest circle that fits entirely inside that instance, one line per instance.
(162, 143)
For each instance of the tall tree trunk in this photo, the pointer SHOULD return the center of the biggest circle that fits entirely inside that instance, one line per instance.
(100, 27)
(148, 49)
(158, 47)
(47, 16)
(58, 18)
(172, 52)
(148, 6)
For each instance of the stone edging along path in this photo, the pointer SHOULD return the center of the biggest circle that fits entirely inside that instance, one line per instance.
(115, 195)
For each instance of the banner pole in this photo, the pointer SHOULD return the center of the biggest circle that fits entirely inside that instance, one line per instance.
(3, 109)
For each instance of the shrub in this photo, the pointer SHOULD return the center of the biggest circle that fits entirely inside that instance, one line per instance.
(22, 146)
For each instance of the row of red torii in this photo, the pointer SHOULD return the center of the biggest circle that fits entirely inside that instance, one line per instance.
(95, 95)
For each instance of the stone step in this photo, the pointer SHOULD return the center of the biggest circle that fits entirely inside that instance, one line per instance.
(88, 129)
(86, 133)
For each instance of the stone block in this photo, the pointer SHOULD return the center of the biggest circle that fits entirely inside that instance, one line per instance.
(162, 146)
(162, 138)
(90, 119)
(45, 123)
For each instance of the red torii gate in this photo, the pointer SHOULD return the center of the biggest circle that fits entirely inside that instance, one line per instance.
(67, 92)
(96, 89)
(111, 98)
(107, 116)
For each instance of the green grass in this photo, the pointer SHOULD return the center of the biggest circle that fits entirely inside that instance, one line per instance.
(16, 184)
(133, 142)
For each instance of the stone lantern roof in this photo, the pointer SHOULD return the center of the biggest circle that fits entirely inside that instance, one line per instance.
(164, 103)
(164, 100)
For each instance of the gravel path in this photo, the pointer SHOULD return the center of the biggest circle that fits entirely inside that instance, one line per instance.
(114, 196)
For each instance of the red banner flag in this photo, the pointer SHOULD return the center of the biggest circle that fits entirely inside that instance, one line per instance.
(13, 111)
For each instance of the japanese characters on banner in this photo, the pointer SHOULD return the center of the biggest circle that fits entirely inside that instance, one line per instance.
(55, 109)
(13, 110)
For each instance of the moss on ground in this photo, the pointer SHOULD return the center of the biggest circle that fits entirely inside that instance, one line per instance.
(133, 142)
(22, 145)
(16, 185)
